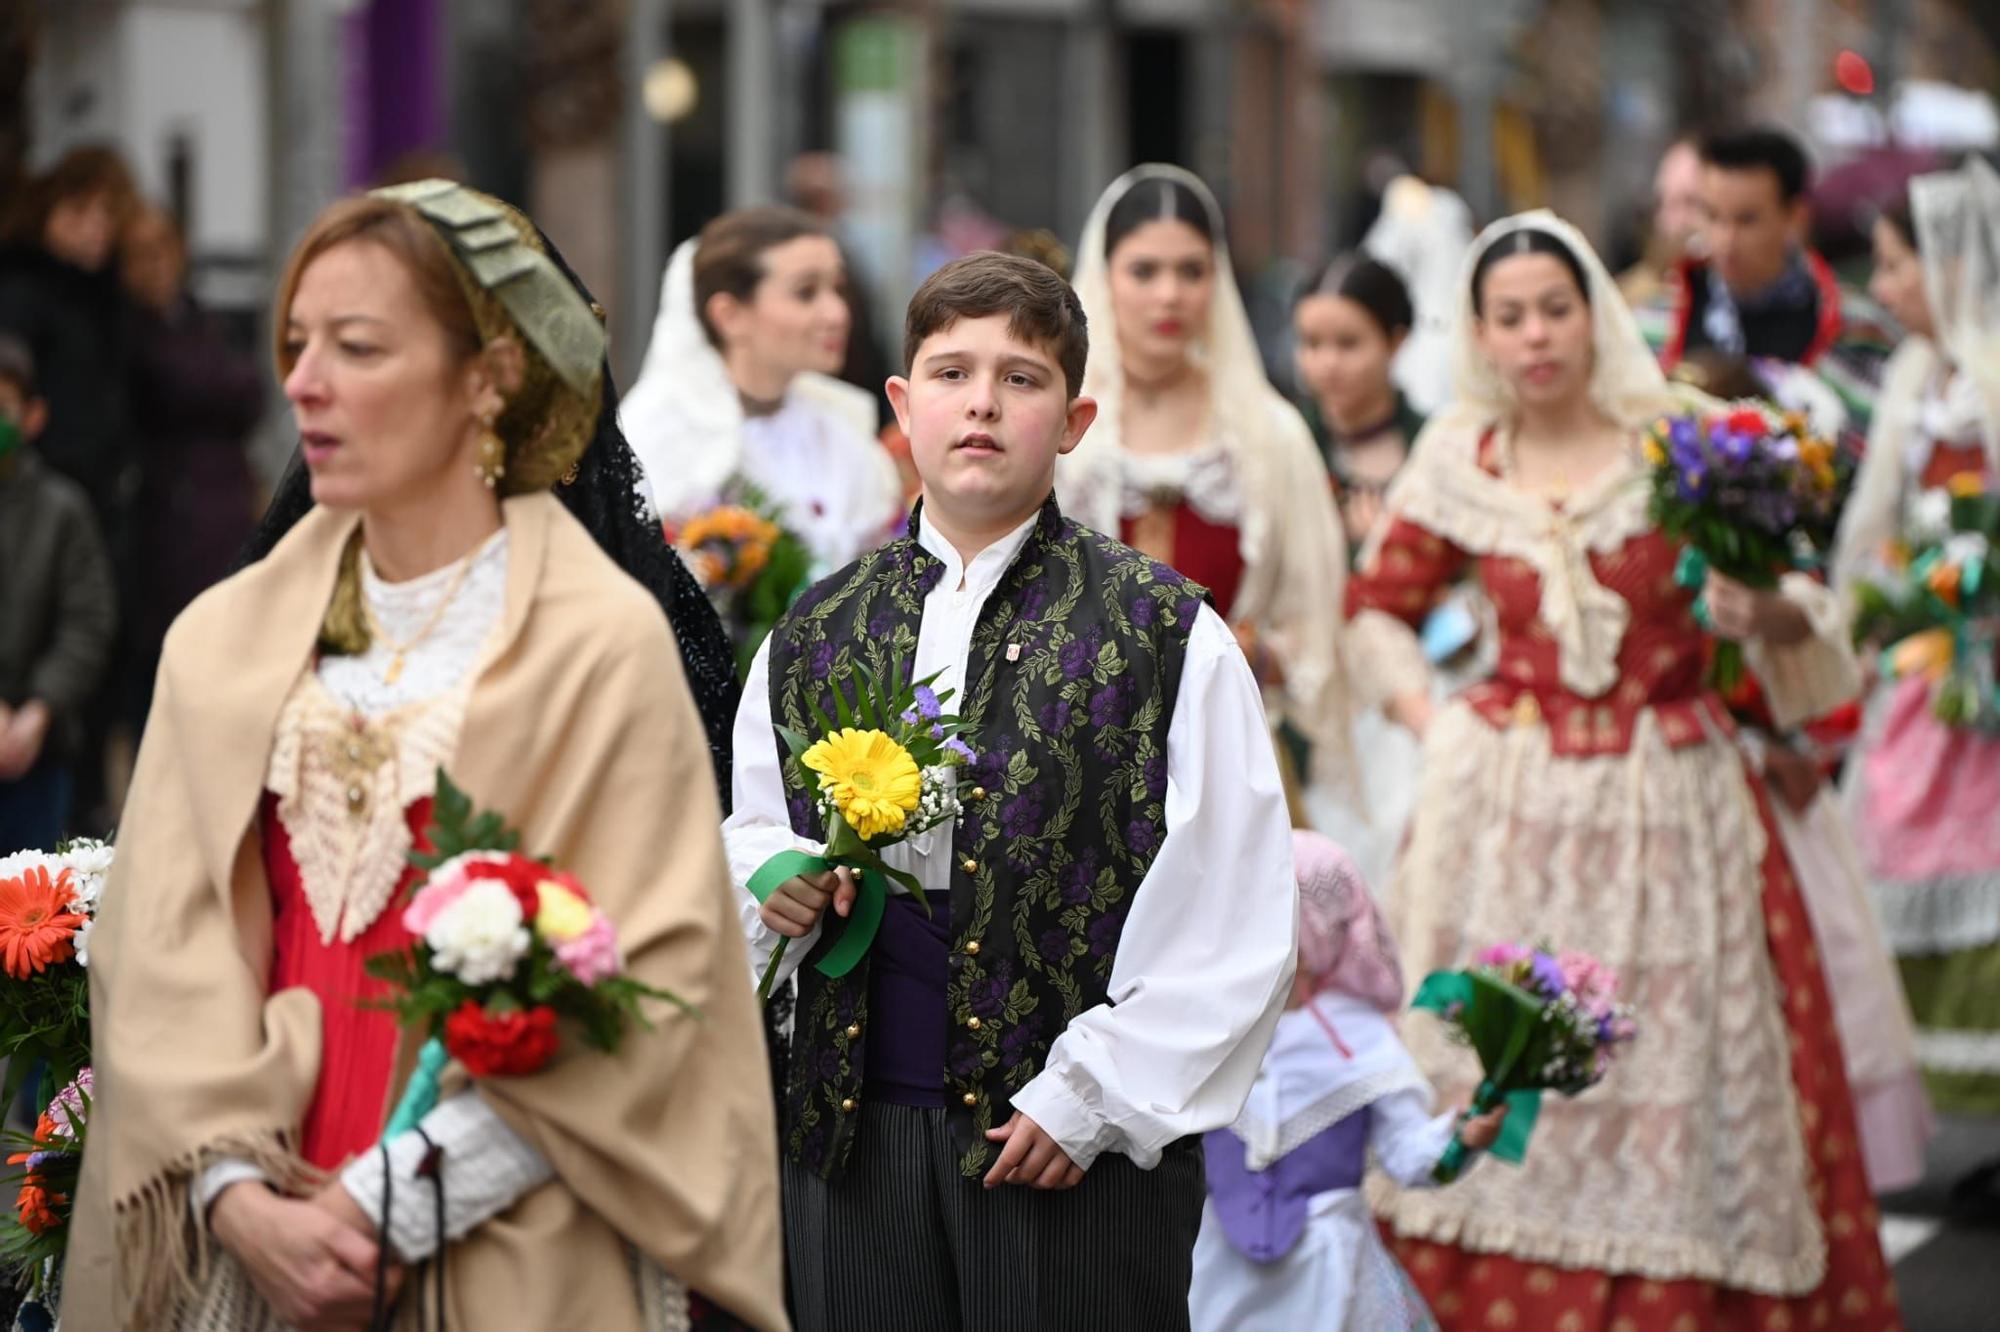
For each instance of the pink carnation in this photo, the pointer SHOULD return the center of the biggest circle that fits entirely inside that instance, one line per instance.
(1593, 983)
(446, 884)
(592, 956)
(1501, 955)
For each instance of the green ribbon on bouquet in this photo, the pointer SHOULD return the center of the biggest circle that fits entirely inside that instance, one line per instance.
(872, 888)
(1501, 1038)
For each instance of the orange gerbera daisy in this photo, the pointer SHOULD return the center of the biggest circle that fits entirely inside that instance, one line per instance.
(37, 922)
(37, 1207)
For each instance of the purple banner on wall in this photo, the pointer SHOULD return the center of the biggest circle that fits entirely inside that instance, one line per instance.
(395, 85)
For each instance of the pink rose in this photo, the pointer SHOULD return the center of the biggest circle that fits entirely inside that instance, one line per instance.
(1501, 956)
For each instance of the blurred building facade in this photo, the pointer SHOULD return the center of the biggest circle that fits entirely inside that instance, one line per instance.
(954, 119)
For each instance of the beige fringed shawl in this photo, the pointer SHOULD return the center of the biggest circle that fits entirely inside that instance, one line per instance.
(581, 730)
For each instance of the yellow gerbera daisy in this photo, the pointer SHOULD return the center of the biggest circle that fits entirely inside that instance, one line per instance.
(873, 780)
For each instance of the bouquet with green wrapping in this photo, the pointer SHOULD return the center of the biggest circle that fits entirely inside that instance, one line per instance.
(1539, 1021)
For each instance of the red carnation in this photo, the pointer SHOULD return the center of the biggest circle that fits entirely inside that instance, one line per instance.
(509, 1044)
(1748, 421)
(521, 875)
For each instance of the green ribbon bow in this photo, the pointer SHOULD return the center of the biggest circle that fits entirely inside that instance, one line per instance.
(1501, 1021)
(858, 934)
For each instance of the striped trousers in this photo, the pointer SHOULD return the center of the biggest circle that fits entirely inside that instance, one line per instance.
(902, 1242)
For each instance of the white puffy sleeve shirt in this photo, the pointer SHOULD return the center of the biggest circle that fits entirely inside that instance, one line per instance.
(1207, 953)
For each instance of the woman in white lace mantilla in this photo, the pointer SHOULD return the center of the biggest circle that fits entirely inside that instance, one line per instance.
(1195, 458)
(435, 607)
(1590, 793)
(736, 398)
(1923, 798)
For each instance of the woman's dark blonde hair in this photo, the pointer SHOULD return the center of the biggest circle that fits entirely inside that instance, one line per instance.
(729, 255)
(544, 423)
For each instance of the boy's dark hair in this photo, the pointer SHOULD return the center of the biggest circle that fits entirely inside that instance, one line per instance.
(17, 364)
(1039, 305)
(1772, 150)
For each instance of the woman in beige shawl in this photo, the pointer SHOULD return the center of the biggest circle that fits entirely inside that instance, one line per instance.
(436, 608)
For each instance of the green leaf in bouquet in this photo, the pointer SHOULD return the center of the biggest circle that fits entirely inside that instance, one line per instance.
(821, 722)
(1976, 513)
(796, 743)
(842, 842)
(842, 712)
(785, 575)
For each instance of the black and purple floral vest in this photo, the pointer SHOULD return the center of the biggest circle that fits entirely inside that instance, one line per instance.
(1074, 667)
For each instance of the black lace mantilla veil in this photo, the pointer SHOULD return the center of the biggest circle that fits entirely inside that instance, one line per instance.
(605, 498)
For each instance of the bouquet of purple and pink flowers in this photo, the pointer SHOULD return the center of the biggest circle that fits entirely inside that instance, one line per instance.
(1753, 493)
(1539, 1021)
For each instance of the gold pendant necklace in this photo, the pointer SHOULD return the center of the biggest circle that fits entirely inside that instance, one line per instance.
(399, 652)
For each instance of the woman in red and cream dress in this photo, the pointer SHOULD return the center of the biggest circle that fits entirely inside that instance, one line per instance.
(1590, 793)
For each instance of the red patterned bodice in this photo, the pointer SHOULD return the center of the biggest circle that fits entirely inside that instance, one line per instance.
(1661, 660)
(359, 1044)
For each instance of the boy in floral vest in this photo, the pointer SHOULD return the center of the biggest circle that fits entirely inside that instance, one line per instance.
(992, 1121)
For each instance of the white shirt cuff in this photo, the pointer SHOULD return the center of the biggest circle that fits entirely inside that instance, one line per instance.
(213, 1182)
(1080, 1131)
(487, 1168)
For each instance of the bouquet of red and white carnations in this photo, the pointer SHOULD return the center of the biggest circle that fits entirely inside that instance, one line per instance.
(506, 951)
(1540, 1021)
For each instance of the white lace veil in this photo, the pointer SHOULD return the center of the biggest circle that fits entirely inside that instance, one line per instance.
(684, 418)
(1294, 553)
(683, 394)
(1956, 215)
(1226, 350)
(1626, 381)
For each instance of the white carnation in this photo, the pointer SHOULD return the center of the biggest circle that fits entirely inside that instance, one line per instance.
(1930, 516)
(479, 937)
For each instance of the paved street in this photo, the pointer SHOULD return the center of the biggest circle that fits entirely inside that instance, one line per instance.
(1947, 1270)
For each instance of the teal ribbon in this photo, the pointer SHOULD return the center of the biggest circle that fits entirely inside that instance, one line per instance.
(854, 939)
(1691, 571)
(420, 1097)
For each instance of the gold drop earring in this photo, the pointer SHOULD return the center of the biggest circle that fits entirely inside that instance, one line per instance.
(492, 463)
